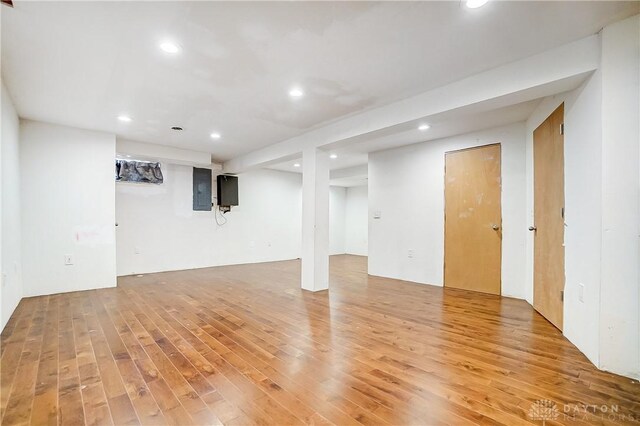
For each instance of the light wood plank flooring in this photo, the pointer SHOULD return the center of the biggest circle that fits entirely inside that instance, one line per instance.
(244, 345)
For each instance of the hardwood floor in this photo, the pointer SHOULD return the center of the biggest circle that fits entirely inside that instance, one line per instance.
(244, 345)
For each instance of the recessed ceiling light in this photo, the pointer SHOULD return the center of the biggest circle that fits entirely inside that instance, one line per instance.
(474, 4)
(296, 165)
(296, 92)
(124, 118)
(424, 127)
(333, 156)
(169, 47)
(215, 135)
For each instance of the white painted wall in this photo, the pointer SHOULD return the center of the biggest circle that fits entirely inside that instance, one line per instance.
(337, 219)
(11, 263)
(407, 186)
(602, 204)
(266, 226)
(356, 221)
(620, 293)
(583, 192)
(159, 221)
(68, 208)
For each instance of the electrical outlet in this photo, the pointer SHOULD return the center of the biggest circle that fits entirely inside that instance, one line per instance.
(581, 292)
(377, 214)
(136, 250)
(68, 259)
(410, 254)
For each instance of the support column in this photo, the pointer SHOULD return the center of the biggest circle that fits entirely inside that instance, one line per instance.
(315, 219)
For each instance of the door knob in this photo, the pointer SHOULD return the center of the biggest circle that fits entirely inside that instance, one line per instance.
(495, 227)
(533, 228)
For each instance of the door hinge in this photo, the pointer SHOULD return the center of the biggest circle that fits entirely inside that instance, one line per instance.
(562, 129)
(562, 295)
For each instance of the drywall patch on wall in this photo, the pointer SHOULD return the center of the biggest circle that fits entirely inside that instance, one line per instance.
(94, 234)
(68, 183)
(406, 191)
(10, 200)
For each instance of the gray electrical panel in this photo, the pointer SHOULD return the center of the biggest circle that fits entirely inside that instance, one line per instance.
(202, 189)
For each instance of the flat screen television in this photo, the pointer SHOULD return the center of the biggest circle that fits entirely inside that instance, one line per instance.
(227, 190)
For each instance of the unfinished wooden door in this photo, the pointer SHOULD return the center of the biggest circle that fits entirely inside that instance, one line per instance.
(473, 220)
(548, 177)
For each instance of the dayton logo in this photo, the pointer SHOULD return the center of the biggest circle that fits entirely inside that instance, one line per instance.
(544, 409)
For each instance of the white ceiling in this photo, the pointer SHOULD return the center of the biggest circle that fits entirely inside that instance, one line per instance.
(84, 63)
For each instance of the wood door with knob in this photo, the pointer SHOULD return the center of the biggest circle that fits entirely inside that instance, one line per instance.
(473, 219)
(548, 201)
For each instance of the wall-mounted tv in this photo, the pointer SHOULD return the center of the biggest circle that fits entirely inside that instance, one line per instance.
(227, 190)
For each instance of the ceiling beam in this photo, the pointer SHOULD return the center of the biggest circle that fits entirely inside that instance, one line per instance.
(516, 82)
(147, 151)
(361, 170)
